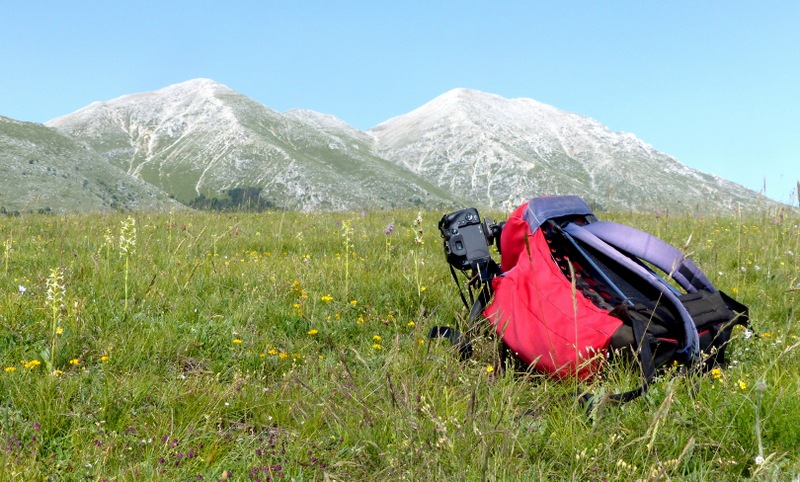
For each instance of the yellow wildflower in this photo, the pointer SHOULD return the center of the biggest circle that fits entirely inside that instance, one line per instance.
(716, 373)
(489, 369)
(742, 385)
(237, 341)
(75, 362)
(10, 369)
(283, 355)
(104, 358)
(273, 352)
(377, 346)
(377, 338)
(327, 298)
(59, 331)
(353, 302)
(313, 331)
(411, 324)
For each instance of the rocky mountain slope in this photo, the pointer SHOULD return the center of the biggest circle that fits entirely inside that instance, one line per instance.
(500, 152)
(41, 170)
(200, 137)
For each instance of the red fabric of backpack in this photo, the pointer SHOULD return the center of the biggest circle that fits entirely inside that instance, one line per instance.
(537, 313)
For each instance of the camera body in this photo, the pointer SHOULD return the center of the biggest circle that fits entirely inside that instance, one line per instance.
(467, 239)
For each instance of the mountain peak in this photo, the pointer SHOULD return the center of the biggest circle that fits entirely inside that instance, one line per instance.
(477, 97)
(196, 94)
(195, 85)
(465, 94)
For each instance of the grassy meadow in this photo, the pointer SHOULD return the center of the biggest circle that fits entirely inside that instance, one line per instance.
(290, 346)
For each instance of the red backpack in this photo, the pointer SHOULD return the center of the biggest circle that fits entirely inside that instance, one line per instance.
(570, 290)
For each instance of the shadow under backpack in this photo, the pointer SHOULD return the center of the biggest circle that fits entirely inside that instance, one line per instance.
(571, 291)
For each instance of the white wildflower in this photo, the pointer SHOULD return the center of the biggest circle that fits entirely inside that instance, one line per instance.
(56, 289)
(127, 237)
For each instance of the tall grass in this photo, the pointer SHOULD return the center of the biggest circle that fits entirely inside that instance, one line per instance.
(289, 345)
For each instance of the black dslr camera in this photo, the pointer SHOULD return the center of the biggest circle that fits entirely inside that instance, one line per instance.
(467, 239)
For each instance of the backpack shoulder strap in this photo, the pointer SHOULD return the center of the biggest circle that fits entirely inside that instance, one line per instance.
(655, 251)
(541, 209)
(692, 342)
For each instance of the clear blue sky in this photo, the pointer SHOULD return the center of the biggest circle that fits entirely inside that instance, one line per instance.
(715, 84)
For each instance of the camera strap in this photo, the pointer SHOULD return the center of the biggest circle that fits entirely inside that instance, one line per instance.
(481, 281)
(461, 290)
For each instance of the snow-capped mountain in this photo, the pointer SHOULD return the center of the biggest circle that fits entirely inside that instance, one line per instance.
(500, 152)
(200, 137)
(463, 148)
